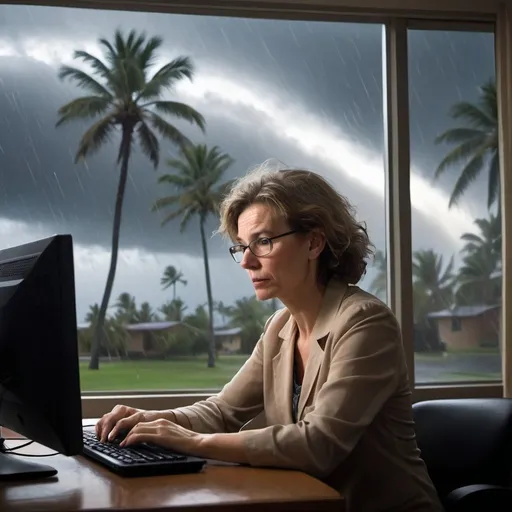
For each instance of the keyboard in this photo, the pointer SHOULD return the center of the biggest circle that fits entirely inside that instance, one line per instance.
(138, 460)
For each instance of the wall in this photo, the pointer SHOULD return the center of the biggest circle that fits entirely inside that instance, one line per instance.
(474, 331)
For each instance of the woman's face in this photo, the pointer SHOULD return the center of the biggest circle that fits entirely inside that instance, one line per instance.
(288, 267)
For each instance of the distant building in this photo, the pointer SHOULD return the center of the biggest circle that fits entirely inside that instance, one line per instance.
(140, 337)
(468, 327)
(229, 341)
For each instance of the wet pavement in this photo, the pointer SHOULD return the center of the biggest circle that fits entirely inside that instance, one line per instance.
(457, 367)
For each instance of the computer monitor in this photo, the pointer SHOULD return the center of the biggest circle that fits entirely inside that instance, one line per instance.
(39, 372)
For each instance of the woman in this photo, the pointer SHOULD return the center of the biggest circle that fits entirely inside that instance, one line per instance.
(328, 371)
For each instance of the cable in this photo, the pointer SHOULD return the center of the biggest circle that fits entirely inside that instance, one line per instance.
(3, 389)
(4, 449)
(12, 451)
(16, 447)
(34, 455)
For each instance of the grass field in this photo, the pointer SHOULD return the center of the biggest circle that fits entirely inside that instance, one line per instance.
(192, 373)
(183, 373)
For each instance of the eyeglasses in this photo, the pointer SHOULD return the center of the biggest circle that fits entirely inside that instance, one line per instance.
(259, 247)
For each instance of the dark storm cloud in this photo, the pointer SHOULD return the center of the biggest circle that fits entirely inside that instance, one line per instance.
(332, 69)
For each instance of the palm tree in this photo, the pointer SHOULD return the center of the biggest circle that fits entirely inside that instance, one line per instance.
(223, 310)
(479, 278)
(432, 283)
(488, 240)
(173, 310)
(123, 97)
(197, 191)
(477, 144)
(145, 314)
(92, 317)
(478, 281)
(126, 308)
(170, 278)
(250, 315)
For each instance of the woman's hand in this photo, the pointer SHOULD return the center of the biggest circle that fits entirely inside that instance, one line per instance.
(121, 418)
(167, 434)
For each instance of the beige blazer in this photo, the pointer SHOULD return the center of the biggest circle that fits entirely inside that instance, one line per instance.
(355, 429)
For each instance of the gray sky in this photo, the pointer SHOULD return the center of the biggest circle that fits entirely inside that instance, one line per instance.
(305, 94)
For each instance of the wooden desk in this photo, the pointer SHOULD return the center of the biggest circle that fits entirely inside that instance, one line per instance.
(82, 485)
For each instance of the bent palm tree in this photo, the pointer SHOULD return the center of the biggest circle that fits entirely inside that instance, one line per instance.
(477, 144)
(126, 99)
(198, 192)
(172, 277)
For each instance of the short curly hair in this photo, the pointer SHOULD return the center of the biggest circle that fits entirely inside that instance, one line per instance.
(307, 201)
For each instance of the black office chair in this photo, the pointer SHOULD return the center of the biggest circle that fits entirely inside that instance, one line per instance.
(467, 447)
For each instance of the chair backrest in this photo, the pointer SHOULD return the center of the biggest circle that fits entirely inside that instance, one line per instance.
(465, 441)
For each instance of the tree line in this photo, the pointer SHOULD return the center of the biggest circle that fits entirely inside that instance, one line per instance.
(246, 313)
(437, 285)
(123, 95)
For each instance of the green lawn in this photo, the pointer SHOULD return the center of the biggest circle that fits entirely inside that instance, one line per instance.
(182, 373)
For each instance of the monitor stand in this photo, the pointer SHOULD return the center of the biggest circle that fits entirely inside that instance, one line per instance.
(14, 468)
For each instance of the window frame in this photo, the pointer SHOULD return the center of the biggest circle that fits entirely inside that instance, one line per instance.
(397, 16)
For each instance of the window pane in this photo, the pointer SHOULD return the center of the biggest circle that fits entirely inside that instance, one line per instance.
(456, 234)
(303, 94)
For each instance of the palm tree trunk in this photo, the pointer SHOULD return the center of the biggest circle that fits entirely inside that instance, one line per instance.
(97, 341)
(174, 291)
(211, 344)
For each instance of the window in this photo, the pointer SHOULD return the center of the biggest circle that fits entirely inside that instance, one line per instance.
(300, 93)
(456, 231)
(456, 324)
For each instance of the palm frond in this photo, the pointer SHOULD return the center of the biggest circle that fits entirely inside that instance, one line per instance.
(175, 180)
(84, 81)
(489, 99)
(473, 114)
(462, 152)
(110, 52)
(121, 46)
(186, 218)
(83, 108)
(97, 135)
(168, 130)
(460, 135)
(467, 176)
(180, 110)
(174, 215)
(493, 183)
(471, 237)
(128, 77)
(147, 55)
(149, 143)
(166, 77)
(163, 202)
(183, 169)
(134, 42)
(97, 64)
